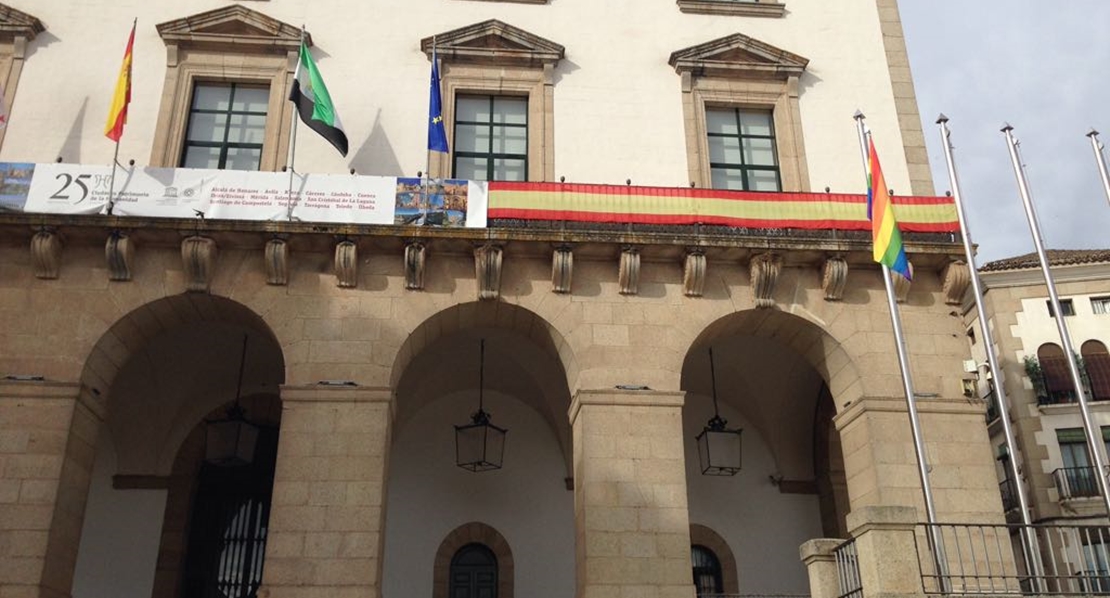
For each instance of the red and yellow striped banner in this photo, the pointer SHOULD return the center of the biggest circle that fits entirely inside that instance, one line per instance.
(679, 205)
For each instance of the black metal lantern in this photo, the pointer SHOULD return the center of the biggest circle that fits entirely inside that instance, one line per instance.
(719, 449)
(480, 445)
(230, 441)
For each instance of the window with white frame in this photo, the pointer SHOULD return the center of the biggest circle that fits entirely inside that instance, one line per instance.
(1100, 305)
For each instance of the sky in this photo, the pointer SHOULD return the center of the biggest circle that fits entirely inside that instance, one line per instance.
(1044, 67)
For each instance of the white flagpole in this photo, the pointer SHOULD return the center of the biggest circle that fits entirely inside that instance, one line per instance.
(1101, 159)
(935, 539)
(428, 151)
(112, 180)
(992, 358)
(293, 133)
(1094, 438)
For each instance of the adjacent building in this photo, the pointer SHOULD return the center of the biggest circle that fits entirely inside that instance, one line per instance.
(1059, 473)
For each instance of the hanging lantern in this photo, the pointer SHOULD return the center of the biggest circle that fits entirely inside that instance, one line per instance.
(230, 441)
(480, 445)
(719, 449)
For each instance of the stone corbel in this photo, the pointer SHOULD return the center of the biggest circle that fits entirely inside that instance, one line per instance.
(957, 277)
(562, 269)
(277, 262)
(765, 269)
(901, 286)
(346, 264)
(628, 277)
(834, 278)
(414, 266)
(693, 275)
(119, 252)
(198, 260)
(46, 254)
(487, 271)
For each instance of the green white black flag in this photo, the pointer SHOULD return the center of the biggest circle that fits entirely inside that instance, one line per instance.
(313, 103)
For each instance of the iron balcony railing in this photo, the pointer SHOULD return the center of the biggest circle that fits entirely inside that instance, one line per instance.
(999, 559)
(847, 570)
(1009, 495)
(1076, 482)
(992, 406)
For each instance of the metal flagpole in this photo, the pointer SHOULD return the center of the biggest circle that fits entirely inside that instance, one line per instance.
(428, 150)
(935, 539)
(1094, 439)
(1097, 146)
(992, 358)
(293, 132)
(112, 180)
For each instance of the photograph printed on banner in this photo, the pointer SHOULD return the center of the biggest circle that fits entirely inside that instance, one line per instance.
(15, 182)
(445, 204)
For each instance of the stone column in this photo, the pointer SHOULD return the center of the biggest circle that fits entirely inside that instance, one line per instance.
(888, 560)
(881, 467)
(631, 519)
(47, 442)
(328, 509)
(820, 562)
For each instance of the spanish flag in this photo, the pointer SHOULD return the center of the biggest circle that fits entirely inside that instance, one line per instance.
(117, 114)
(885, 234)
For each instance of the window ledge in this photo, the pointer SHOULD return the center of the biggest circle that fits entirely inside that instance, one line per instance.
(516, 1)
(736, 8)
(743, 8)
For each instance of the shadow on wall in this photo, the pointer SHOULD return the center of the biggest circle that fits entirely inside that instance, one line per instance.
(376, 156)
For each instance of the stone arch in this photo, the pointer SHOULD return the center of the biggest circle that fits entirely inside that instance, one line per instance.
(815, 344)
(132, 331)
(486, 314)
(701, 535)
(474, 532)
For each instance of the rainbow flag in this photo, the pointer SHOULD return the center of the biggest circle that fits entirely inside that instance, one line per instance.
(885, 235)
(117, 113)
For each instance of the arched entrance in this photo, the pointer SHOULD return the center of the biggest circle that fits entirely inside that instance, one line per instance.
(528, 499)
(771, 380)
(157, 513)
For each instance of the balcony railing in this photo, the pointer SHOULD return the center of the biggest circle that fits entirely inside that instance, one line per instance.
(992, 406)
(1076, 482)
(847, 570)
(1009, 495)
(999, 559)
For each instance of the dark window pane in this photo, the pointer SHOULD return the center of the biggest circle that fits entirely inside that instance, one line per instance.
(512, 111)
(508, 170)
(207, 127)
(243, 158)
(472, 109)
(212, 97)
(510, 140)
(251, 99)
(201, 157)
(472, 138)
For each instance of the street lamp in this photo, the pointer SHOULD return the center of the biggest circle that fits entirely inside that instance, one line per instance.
(480, 445)
(719, 450)
(230, 441)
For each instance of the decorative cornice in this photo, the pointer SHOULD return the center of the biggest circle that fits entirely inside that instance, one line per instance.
(494, 42)
(562, 269)
(16, 23)
(346, 264)
(693, 273)
(46, 254)
(834, 278)
(119, 252)
(764, 270)
(415, 253)
(741, 8)
(277, 262)
(487, 269)
(738, 55)
(628, 275)
(198, 259)
(233, 26)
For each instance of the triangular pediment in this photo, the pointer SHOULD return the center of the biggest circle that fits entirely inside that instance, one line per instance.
(738, 55)
(246, 29)
(16, 23)
(494, 42)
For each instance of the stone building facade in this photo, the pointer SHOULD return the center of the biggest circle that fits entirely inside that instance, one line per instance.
(355, 348)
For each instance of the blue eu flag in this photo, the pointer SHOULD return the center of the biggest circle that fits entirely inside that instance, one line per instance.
(437, 136)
